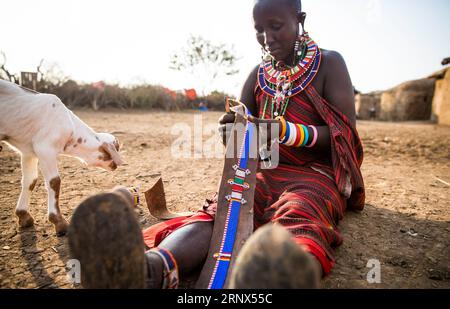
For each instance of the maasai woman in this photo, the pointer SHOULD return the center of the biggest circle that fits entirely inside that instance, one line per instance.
(309, 91)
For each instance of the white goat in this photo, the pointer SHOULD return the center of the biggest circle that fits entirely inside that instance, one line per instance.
(40, 128)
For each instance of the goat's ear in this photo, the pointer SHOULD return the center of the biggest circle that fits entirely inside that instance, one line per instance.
(112, 151)
(117, 144)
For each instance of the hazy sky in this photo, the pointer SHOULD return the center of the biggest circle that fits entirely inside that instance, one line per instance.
(384, 42)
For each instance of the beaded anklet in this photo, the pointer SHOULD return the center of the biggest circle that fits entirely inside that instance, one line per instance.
(135, 193)
(170, 274)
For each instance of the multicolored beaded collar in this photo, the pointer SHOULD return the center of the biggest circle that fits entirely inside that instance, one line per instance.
(304, 83)
(282, 85)
(272, 75)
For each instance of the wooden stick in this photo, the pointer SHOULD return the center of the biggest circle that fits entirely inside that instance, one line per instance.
(442, 181)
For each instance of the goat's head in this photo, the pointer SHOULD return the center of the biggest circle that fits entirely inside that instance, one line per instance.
(106, 155)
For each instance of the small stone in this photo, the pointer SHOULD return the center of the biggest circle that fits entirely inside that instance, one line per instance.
(404, 264)
(33, 250)
(436, 275)
(412, 233)
(431, 259)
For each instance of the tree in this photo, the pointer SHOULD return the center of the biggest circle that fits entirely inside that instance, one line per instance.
(11, 77)
(50, 76)
(205, 59)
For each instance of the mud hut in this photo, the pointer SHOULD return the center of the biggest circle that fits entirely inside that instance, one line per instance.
(368, 105)
(441, 99)
(411, 100)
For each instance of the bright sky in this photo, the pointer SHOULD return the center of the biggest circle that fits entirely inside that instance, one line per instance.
(384, 42)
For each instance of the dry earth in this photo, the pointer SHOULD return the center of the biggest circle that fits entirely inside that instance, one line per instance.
(405, 224)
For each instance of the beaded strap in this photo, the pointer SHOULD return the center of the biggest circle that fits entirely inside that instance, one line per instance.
(235, 201)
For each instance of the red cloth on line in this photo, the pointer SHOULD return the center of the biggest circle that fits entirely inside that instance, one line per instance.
(191, 94)
(308, 192)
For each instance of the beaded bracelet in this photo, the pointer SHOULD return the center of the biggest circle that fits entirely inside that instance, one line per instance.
(305, 130)
(296, 135)
(283, 127)
(293, 134)
(316, 135)
(287, 133)
(300, 137)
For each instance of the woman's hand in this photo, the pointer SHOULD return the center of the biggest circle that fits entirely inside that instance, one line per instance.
(226, 122)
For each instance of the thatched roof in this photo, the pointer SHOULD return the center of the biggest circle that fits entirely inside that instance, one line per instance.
(439, 74)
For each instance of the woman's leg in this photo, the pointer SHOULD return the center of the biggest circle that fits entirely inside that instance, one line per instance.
(311, 216)
(189, 246)
(105, 237)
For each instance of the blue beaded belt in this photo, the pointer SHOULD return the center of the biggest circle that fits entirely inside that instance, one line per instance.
(235, 201)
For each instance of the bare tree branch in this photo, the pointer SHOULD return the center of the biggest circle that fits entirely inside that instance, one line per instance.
(201, 55)
(11, 77)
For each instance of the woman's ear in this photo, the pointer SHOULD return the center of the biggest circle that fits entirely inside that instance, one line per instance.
(301, 16)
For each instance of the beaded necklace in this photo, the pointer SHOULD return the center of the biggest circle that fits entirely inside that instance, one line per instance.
(272, 74)
(279, 85)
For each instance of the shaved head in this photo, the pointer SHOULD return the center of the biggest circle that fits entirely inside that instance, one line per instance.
(277, 24)
(295, 4)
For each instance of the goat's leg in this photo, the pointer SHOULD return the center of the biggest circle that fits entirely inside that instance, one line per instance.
(29, 178)
(49, 168)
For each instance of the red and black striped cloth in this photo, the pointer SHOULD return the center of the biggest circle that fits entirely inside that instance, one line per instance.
(308, 192)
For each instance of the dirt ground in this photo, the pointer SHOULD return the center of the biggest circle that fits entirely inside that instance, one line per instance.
(405, 224)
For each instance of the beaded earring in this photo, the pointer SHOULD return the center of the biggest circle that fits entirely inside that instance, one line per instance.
(301, 45)
(265, 56)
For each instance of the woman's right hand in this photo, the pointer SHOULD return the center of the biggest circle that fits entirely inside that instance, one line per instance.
(226, 122)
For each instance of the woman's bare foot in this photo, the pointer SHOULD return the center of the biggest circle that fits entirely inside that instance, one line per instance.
(105, 237)
(270, 259)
